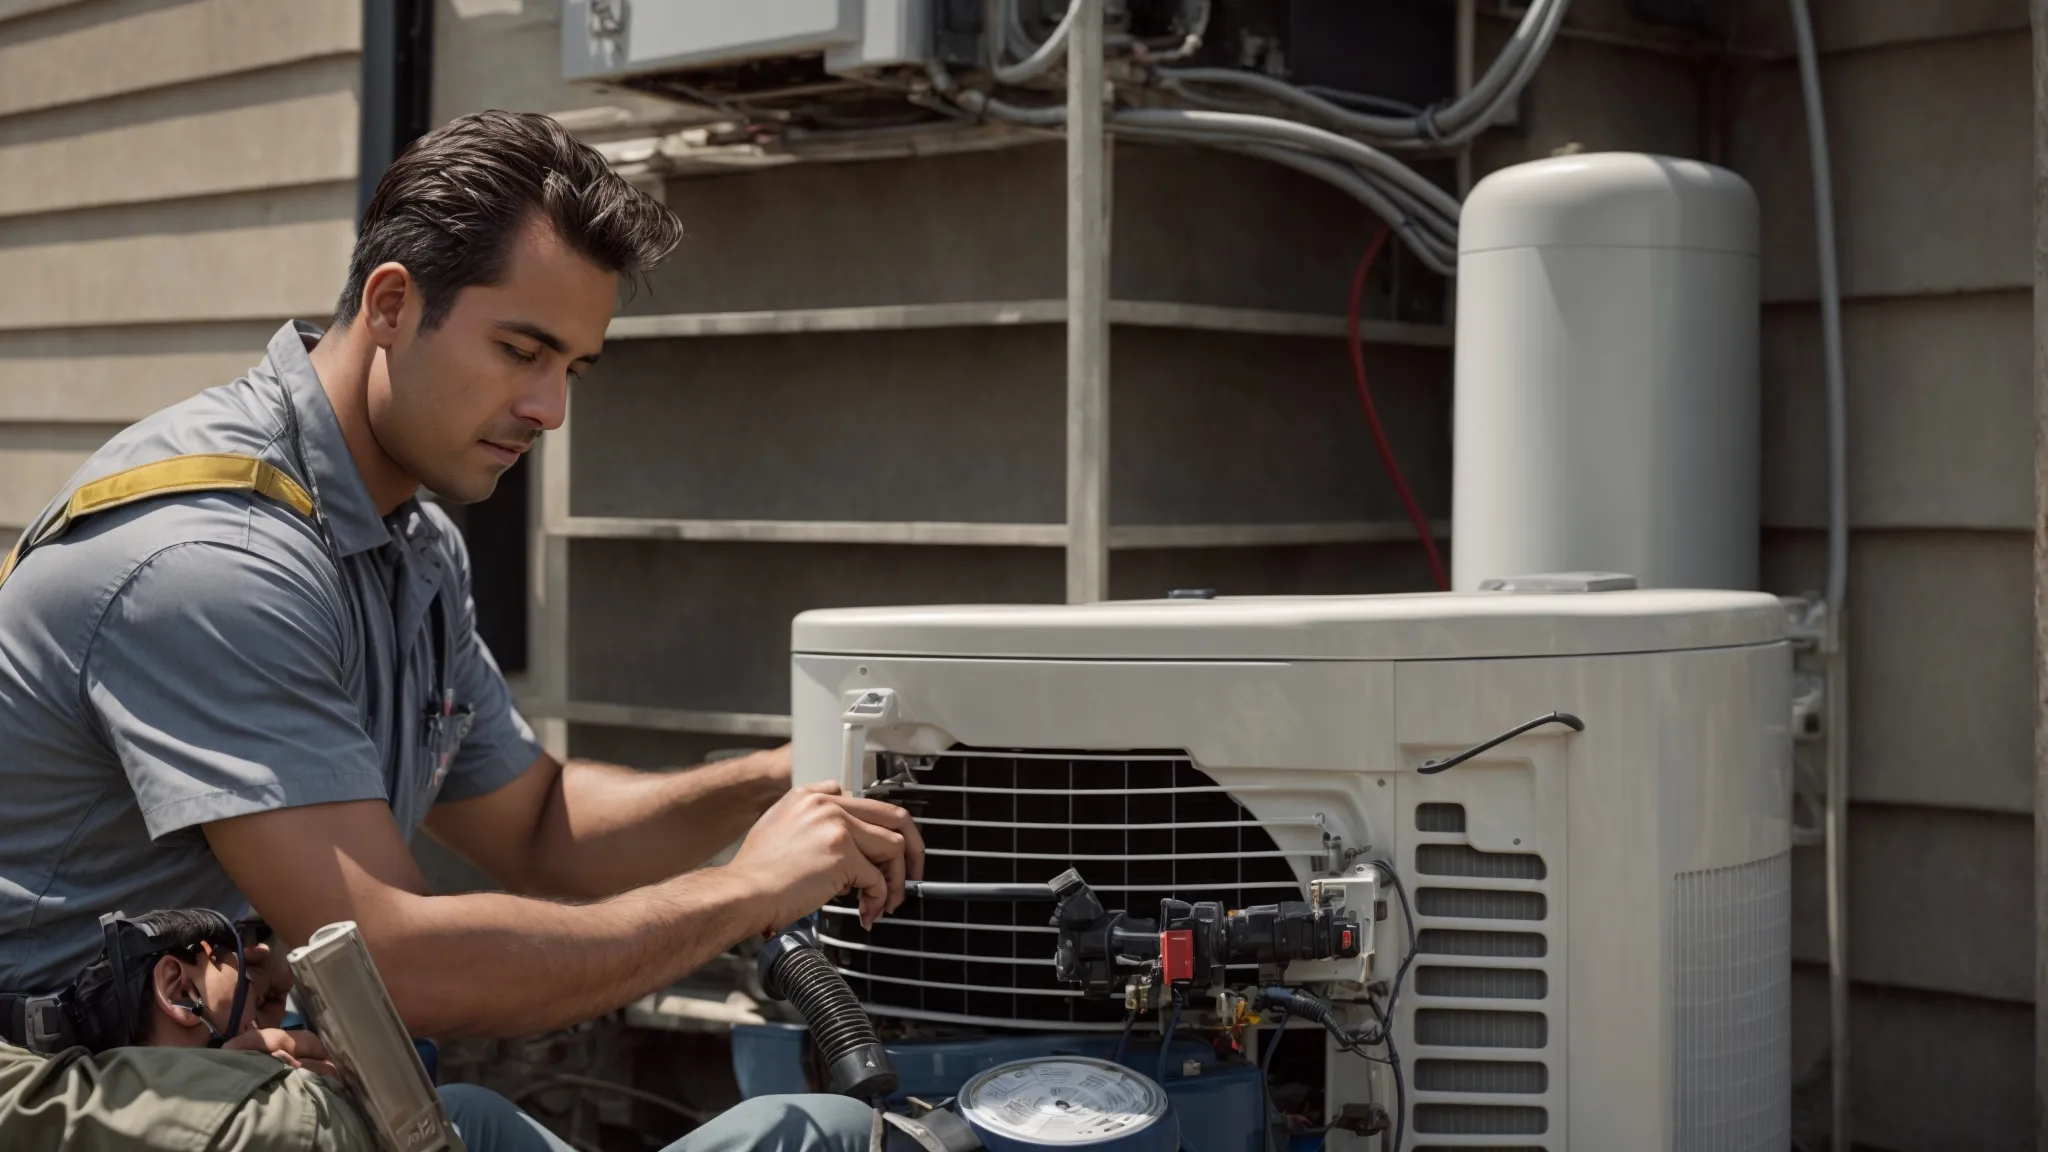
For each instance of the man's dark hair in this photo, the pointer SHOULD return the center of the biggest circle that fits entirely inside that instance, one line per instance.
(180, 931)
(177, 932)
(448, 207)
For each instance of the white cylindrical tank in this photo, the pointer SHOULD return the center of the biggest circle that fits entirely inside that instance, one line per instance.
(1606, 405)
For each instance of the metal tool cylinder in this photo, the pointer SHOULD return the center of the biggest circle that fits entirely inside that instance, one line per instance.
(348, 1006)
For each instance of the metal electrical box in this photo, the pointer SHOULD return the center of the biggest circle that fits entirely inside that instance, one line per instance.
(621, 39)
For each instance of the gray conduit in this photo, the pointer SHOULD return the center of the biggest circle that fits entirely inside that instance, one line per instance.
(1838, 578)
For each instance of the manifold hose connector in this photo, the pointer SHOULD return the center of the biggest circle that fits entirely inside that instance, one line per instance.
(1295, 1002)
(793, 969)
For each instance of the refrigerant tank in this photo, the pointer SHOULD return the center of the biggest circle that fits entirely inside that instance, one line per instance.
(1607, 398)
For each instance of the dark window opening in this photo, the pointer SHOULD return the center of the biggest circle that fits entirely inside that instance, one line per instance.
(496, 531)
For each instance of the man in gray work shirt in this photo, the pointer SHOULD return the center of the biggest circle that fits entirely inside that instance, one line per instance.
(238, 662)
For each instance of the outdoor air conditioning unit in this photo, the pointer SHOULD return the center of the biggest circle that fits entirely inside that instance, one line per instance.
(1601, 919)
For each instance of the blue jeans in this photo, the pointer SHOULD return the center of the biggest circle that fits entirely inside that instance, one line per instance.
(490, 1123)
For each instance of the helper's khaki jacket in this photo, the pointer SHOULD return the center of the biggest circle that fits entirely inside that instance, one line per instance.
(170, 1100)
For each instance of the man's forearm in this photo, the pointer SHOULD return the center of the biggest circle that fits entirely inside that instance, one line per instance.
(607, 829)
(489, 964)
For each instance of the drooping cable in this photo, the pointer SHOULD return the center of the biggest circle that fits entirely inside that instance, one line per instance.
(1351, 158)
(1414, 937)
(1372, 412)
(1266, 1064)
(1442, 127)
(1292, 132)
(1394, 1065)
(1429, 237)
(1266, 1077)
(1166, 1040)
(1301, 1002)
(1043, 58)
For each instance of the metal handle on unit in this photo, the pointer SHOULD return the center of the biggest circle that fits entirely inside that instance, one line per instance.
(865, 709)
(1565, 718)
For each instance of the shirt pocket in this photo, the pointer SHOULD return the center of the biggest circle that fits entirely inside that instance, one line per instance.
(446, 726)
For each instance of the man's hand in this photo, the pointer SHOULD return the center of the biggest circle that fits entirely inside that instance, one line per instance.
(295, 1049)
(268, 971)
(815, 844)
(478, 963)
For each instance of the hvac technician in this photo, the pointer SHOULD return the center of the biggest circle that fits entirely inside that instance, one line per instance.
(238, 664)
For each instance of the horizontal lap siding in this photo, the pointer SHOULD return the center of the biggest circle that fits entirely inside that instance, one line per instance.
(1930, 118)
(175, 181)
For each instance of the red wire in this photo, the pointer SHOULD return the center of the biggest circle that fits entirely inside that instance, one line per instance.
(1372, 412)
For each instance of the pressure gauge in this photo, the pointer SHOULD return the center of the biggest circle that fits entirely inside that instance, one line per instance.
(1068, 1102)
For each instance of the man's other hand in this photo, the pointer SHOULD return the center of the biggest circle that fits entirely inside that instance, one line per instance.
(296, 1049)
(816, 843)
(270, 971)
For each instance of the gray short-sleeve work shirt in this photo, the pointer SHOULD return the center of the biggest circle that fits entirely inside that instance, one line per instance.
(201, 656)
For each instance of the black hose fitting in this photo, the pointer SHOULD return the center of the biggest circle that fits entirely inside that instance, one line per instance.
(856, 1065)
(1295, 1002)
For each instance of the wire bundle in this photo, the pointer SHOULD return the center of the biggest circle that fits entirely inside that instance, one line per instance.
(1380, 1034)
(1348, 140)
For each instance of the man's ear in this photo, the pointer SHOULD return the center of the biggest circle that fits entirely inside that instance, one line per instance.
(387, 293)
(172, 987)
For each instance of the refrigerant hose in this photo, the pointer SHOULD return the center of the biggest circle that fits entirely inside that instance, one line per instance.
(793, 969)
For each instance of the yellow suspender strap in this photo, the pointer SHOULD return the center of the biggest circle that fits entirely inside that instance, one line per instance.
(212, 472)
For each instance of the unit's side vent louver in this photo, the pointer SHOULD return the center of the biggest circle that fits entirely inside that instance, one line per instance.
(1439, 817)
(1480, 1120)
(1482, 1076)
(1461, 942)
(1482, 983)
(1480, 1029)
(1466, 904)
(1487, 1028)
(1464, 860)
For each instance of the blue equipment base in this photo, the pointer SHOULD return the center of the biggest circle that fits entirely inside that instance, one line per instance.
(1221, 1108)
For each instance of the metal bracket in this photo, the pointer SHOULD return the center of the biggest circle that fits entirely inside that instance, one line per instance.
(1140, 995)
(1359, 890)
(1806, 622)
(1812, 634)
(607, 18)
(1335, 858)
(1809, 706)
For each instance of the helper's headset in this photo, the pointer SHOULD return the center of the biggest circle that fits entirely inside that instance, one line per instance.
(100, 1007)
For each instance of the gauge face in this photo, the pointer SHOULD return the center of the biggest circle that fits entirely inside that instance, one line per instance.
(1063, 1100)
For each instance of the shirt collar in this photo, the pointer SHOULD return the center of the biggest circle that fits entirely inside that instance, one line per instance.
(344, 500)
